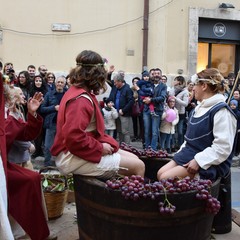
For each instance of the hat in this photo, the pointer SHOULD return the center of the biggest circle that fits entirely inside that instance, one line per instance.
(170, 98)
(145, 74)
(234, 102)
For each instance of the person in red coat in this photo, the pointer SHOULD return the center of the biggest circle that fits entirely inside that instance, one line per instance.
(81, 145)
(23, 185)
(5, 228)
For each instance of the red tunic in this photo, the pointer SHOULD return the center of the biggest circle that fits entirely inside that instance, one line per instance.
(2, 127)
(24, 186)
(74, 116)
(24, 192)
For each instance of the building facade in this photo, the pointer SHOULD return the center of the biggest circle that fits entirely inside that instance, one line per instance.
(178, 36)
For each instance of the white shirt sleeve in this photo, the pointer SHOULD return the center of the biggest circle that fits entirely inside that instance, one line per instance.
(224, 131)
(5, 228)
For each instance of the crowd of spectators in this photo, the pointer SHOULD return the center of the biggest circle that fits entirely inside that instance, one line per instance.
(157, 111)
(131, 113)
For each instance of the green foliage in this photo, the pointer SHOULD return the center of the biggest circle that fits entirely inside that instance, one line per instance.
(53, 183)
(70, 182)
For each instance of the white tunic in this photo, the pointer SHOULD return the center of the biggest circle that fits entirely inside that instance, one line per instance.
(224, 130)
(5, 228)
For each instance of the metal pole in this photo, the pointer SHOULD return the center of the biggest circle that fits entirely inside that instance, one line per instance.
(145, 33)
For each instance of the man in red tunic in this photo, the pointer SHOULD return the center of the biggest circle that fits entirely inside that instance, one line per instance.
(81, 145)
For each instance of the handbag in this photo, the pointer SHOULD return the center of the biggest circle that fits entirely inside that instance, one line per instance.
(136, 109)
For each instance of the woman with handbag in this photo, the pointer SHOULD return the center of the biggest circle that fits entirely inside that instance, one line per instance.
(137, 118)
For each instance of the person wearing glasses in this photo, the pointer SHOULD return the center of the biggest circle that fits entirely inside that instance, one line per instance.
(50, 79)
(208, 147)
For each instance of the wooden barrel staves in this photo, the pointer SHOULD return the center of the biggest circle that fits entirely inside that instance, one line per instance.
(103, 214)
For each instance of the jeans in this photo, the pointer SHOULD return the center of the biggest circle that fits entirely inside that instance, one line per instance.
(49, 138)
(151, 129)
(165, 141)
(180, 133)
(109, 132)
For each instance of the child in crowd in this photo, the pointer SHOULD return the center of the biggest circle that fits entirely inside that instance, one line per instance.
(146, 90)
(235, 109)
(110, 114)
(170, 118)
(234, 106)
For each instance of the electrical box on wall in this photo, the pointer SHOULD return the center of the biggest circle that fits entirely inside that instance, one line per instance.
(61, 27)
(130, 52)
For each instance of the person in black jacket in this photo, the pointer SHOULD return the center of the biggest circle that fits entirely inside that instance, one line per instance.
(39, 85)
(122, 96)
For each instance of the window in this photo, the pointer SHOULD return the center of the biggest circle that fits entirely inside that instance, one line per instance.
(220, 56)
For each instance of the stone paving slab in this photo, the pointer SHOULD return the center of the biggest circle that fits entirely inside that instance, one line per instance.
(236, 217)
(66, 226)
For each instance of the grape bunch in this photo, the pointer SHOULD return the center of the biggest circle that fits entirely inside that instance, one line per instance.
(136, 187)
(132, 149)
(212, 204)
(131, 187)
(166, 207)
(149, 152)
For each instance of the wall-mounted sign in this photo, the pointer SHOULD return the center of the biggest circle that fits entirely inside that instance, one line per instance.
(210, 28)
(219, 29)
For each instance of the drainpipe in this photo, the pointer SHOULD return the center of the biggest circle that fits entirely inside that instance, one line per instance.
(145, 34)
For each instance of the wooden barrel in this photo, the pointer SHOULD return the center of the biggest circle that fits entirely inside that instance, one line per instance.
(152, 166)
(103, 214)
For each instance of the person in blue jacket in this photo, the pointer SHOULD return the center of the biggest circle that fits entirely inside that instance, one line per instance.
(152, 121)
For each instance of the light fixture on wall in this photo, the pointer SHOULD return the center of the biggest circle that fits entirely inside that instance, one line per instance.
(226, 5)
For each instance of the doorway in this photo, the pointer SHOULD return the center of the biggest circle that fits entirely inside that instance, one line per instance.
(217, 55)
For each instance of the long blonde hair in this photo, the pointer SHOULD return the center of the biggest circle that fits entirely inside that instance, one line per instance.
(12, 99)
